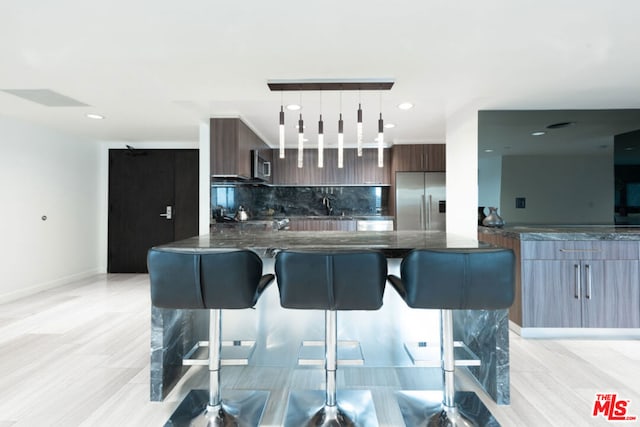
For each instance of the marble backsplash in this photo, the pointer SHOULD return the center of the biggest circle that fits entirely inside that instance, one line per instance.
(262, 201)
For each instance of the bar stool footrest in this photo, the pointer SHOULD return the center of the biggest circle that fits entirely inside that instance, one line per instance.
(311, 353)
(239, 407)
(422, 408)
(428, 355)
(233, 353)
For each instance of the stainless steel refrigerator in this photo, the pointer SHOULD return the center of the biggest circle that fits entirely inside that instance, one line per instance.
(420, 201)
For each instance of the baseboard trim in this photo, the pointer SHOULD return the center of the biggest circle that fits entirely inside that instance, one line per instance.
(584, 333)
(24, 292)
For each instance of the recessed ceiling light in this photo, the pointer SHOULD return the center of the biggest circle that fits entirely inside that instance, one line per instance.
(405, 106)
(293, 107)
(488, 150)
(389, 125)
(95, 116)
(538, 133)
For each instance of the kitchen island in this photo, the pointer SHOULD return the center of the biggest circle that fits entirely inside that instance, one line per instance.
(573, 281)
(377, 338)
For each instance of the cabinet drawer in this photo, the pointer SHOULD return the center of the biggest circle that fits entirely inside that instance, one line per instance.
(579, 249)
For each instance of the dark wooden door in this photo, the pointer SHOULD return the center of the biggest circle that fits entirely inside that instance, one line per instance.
(142, 184)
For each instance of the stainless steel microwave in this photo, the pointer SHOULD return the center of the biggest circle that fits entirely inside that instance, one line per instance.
(261, 168)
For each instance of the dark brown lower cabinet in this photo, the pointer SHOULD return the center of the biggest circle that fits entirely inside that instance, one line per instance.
(301, 224)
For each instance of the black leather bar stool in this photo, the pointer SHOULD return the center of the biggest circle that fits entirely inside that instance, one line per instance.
(331, 281)
(460, 279)
(211, 280)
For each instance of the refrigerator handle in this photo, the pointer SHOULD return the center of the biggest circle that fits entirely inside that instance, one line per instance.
(429, 212)
(422, 225)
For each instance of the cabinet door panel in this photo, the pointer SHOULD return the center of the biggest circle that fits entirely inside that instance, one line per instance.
(549, 294)
(614, 291)
(435, 157)
(408, 158)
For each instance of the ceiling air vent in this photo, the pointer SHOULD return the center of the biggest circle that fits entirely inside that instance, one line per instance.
(46, 97)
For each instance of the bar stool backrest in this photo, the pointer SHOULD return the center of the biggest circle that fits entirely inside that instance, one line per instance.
(459, 279)
(204, 280)
(331, 280)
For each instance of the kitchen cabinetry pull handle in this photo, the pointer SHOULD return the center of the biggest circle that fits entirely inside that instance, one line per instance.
(587, 269)
(577, 283)
(580, 250)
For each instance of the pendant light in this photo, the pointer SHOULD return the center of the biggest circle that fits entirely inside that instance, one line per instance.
(300, 140)
(281, 139)
(340, 137)
(340, 142)
(320, 142)
(320, 137)
(380, 142)
(359, 127)
(300, 137)
(380, 137)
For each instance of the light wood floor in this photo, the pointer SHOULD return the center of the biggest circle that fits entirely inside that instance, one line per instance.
(79, 356)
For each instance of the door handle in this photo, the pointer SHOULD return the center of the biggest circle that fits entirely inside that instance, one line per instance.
(168, 214)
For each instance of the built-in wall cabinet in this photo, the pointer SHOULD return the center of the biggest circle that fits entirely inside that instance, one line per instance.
(419, 158)
(355, 171)
(231, 146)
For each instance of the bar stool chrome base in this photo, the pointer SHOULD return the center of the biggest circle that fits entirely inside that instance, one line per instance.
(425, 409)
(353, 408)
(240, 408)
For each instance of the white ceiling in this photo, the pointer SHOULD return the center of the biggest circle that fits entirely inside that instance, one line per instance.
(155, 69)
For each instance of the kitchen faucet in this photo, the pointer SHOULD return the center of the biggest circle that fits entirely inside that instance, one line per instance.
(326, 202)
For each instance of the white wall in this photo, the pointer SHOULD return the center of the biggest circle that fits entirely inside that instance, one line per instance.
(558, 189)
(44, 172)
(462, 173)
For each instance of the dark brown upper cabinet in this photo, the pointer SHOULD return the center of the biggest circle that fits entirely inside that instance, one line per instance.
(232, 143)
(355, 171)
(419, 158)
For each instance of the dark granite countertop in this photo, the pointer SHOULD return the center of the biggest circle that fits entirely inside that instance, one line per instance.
(566, 232)
(266, 243)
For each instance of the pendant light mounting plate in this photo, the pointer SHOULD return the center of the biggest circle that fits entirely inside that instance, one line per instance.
(330, 84)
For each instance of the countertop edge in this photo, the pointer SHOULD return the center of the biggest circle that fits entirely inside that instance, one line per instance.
(539, 233)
